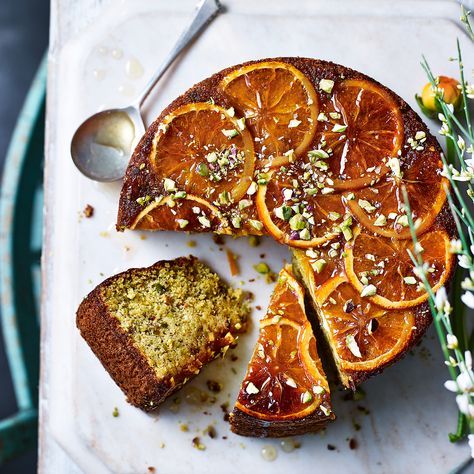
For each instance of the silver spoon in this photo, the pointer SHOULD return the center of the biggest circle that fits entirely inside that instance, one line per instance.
(102, 145)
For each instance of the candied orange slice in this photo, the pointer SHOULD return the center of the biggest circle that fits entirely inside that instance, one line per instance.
(359, 126)
(203, 150)
(362, 335)
(285, 379)
(189, 213)
(293, 215)
(381, 208)
(383, 269)
(280, 107)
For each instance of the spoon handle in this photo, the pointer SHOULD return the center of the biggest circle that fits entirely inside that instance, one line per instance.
(206, 10)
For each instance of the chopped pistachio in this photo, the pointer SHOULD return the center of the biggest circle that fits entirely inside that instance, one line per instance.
(251, 389)
(204, 221)
(252, 188)
(236, 221)
(241, 123)
(143, 200)
(368, 290)
(289, 381)
(244, 203)
(231, 111)
(180, 195)
(257, 225)
(283, 212)
(230, 133)
(202, 169)
(318, 390)
(380, 221)
(169, 185)
(115, 413)
(334, 216)
(366, 205)
(305, 234)
(326, 85)
(394, 165)
(409, 280)
(350, 197)
(297, 222)
(307, 397)
(352, 345)
(338, 128)
(262, 268)
(322, 117)
(291, 155)
(293, 123)
(224, 197)
(403, 220)
(325, 410)
(318, 153)
(182, 223)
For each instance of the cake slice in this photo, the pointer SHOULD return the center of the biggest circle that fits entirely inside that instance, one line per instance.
(155, 328)
(285, 391)
(365, 337)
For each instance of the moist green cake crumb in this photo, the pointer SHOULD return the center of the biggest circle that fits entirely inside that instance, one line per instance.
(174, 312)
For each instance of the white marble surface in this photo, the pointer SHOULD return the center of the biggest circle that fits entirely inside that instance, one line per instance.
(410, 412)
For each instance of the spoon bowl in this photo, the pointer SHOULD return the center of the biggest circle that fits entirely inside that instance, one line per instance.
(102, 145)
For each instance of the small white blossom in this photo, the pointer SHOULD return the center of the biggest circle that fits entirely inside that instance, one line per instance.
(468, 299)
(441, 299)
(470, 438)
(465, 405)
(464, 261)
(455, 246)
(452, 341)
(451, 385)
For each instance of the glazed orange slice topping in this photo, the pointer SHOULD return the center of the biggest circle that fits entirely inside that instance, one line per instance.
(280, 107)
(363, 336)
(203, 150)
(297, 213)
(383, 270)
(285, 379)
(189, 212)
(359, 127)
(381, 208)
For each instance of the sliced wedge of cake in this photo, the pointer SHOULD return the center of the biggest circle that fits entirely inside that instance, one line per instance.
(285, 391)
(154, 328)
(367, 297)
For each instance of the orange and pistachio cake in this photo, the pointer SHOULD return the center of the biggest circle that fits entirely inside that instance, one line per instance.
(285, 391)
(315, 155)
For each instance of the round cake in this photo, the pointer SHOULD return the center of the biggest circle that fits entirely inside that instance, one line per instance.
(317, 156)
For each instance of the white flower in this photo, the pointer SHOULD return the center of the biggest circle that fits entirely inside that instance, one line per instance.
(470, 439)
(452, 341)
(464, 261)
(441, 298)
(468, 359)
(455, 246)
(469, 162)
(461, 143)
(468, 299)
(465, 380)
(451, 385)
(464, 404)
